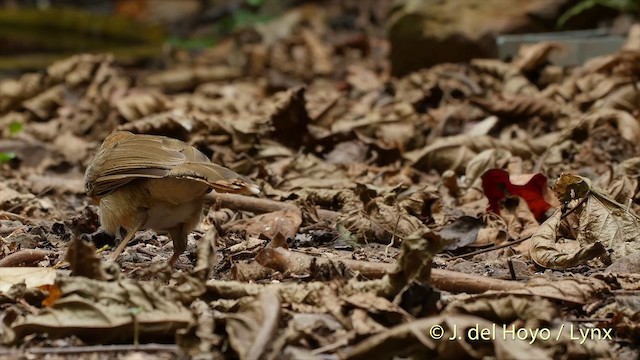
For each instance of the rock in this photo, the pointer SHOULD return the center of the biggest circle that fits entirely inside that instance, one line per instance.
(423, 33)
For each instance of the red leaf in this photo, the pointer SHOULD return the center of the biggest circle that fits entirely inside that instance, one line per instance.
(497, 186)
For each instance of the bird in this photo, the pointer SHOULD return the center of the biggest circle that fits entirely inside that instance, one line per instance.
(155, 182)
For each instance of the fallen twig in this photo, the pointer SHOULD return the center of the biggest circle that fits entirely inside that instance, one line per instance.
(24, 257)
(96, 348)
(258, 205)
(298, 263)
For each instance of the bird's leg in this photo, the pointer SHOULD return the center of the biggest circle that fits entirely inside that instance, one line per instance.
(130, 234)
(179, 237)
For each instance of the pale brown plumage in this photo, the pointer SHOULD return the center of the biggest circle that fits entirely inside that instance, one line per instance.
(155, 182)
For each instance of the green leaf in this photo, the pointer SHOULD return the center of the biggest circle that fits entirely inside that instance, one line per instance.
(135, 310)
(15, 127)
(6, 157)
(584, 5)
(255, 3)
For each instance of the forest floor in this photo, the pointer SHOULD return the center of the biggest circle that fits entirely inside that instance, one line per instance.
(485, 209)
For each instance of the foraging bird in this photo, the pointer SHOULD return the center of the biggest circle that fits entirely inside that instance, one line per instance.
(155, 182)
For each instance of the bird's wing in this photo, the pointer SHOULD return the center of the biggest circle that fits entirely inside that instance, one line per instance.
(216, 176)
(124, 157)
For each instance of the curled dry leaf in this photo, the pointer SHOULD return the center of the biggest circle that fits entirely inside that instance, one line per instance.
(252, 329)
(532, 56)
(44, 105)
(455, 152)
(10, 198)
(625, 123)
(29, 276)
(518, 107)
(546, 253)
(413, 266)
(348, 152)
(174, 123)
(426, 86)
(494, 231)
(185, 78)
(513, 81)
(300, 265)
(462, 232)
(13, 92)
(199, 338)
(320, 54)
(284, 222)
(378, 306)
(83, 260)
(520, 221)
(603, 224)
(389, 127)
(308, 172)
(623, 309)
(75, 149)
(483, 162)
(623, 184)
(578, 290)
(414, 338)
(290, 117)
(105, 312)
(363, 79)
(507, 309)
(138, 104)
(624, 98)
(382, 218)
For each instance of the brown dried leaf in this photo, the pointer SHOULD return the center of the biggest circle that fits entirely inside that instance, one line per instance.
(319, 52)
(174, 123)
(520, 221)
(380, 219)
(518, 107)
(545, 253)
(14, 92)
(77, 69)
(623, 309)
(414, 339)
(363, 80)
(284, 222)
(513, 81)
(577, 289)
(105, 312)
(602, 222)
(185, 78)
(252, 329)
(507, 309)
(485, 160)
(454, 152)
(413, 266)
(532, 56)
(625, 97)
(308, 172)
(10, 198)
(623, 184)
(83, 260)
(75, 149)
(291, 117)
(301, 265)
(30, 277)
(138, 104)
(44, 105)
(462, 232)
